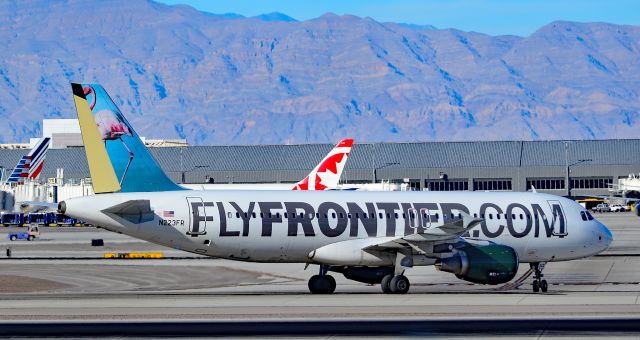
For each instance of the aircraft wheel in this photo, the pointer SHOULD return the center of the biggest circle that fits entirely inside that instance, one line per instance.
(544, 286)
(386, 284)
(13, 238)
(536, 287)
(324, 284)
(30, 238)
(399, 284)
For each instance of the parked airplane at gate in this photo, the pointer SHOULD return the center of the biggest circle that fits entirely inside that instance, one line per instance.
(30, 165)
(370, 237)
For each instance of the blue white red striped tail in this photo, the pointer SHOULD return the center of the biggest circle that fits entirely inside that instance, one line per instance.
(31, 164)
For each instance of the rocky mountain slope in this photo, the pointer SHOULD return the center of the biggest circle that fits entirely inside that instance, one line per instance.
(225, 79)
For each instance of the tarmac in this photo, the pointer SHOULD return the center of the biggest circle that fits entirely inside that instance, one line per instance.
(61, 278)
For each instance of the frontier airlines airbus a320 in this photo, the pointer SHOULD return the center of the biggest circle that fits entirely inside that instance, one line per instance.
(371, 237)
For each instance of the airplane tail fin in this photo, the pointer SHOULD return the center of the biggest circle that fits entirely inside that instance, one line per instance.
(326, 175)
(31, 164)
(118, 160)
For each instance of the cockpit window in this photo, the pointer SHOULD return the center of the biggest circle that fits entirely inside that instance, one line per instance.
(583, 215)
(589, 217)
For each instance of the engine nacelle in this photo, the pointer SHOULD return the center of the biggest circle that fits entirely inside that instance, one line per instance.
(351, 253)
(371, 275)
(486, 264)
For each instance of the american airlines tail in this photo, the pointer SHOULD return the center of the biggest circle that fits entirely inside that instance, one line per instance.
(327, 173)
(31, 164)
(118, 160)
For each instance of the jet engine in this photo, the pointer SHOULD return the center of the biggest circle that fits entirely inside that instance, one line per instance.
(486, 264)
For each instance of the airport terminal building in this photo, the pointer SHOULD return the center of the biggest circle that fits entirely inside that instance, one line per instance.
(582, 167)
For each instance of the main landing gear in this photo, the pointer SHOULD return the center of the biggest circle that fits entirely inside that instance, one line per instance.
(322, 283)
(398, 283)
(539, 284)
(395, 284)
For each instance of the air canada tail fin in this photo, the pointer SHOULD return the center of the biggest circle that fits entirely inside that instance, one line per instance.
(326, 175)
(118, 160)
(30, 165)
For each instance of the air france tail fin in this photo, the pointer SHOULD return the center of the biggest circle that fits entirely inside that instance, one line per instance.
(31, 164)
(118, 160)
(326, 175)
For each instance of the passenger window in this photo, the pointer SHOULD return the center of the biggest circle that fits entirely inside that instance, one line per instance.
(341, 215)
(373, 215)
(497, 216)
(325, 216)
(513, 216)
(490, 216)
(317, 215)
(404, 215)
(254, 215)
(333, 215)
(380, 215)
(437, 216)
(395, 215)
(261, 215)
(229, 214)
(245, 215)
(301, 215)
(349, 215)
(237, 215)
(278, 215)
(475, 215)
(388, 216)
(521, 217)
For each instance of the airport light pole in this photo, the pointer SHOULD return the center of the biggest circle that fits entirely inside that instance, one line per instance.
(375, 169)
(182, 177)
(569, 173)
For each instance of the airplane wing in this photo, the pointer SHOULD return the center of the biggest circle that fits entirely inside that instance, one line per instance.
(326, 175)
(343, 253)
(35, 206)
(447, 231)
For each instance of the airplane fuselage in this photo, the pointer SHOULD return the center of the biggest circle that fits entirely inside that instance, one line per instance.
(284, 226)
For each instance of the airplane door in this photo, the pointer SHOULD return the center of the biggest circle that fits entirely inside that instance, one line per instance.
(198, 217)
(425, 218)
(558, 219)
(412, 215)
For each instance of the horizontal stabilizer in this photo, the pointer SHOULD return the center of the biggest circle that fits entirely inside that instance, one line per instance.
(134, 211)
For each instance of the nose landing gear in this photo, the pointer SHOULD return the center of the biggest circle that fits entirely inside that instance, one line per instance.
(539, 284)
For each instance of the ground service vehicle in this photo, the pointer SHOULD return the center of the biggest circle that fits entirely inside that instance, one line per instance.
(31, 234)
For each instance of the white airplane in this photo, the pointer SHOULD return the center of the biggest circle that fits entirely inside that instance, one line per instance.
(371, 237)
(325, 176)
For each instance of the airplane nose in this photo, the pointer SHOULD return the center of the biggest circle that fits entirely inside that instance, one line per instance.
(605, 236)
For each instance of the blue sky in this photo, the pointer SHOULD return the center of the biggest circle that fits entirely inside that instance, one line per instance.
(519, 17)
